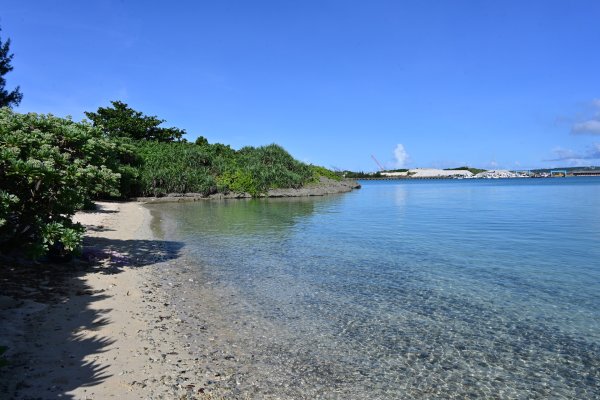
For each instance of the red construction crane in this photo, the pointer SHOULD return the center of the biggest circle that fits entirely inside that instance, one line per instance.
(380, 166)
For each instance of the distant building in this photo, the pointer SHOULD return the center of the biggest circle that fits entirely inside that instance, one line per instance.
(497, 173)
(595, 172)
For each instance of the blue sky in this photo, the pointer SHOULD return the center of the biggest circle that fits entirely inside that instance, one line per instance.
(513, 84)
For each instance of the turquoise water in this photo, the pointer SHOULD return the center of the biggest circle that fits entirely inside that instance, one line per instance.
(403, 289)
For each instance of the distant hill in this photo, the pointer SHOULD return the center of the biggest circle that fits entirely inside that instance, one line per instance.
(474, 171)
(360, 174)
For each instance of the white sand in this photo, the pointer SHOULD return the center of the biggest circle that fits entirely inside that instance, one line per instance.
(112, 337)
(438, 173)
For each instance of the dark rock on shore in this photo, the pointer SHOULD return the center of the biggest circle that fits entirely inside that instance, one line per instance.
(324, 187)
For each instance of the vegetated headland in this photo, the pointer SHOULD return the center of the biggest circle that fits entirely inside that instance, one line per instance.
(52, 167)
(471, 173)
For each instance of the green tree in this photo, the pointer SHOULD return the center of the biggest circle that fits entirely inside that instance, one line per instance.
(13, 98)
(201, 141)
(49, 168)
(122, 121)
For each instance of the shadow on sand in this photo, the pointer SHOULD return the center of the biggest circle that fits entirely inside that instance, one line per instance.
(46, 317)
(110, 255)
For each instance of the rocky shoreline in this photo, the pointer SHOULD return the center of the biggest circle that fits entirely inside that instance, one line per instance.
(324, 187)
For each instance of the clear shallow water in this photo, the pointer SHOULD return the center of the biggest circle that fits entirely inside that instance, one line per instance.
(418, 289)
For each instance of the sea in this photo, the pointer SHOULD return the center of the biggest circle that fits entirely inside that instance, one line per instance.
(404, 289)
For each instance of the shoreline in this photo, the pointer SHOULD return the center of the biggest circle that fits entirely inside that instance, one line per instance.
(104, 325)
(323, 188)
(146, 322)
(101, 329)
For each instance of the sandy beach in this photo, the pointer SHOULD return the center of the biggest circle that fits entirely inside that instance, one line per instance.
(104, 325)
(97, 329)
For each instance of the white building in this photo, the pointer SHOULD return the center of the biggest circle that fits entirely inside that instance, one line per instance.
(497, 173)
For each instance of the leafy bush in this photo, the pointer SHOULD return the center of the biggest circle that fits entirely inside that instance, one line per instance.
(238, 181)
(174, 168)
(167, 164)
(255, 170)
(49, 168)
(207, 168)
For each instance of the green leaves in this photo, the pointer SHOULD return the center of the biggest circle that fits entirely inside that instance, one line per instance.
(58, 232)
(49, 168)
(207, 168)
(174, 168)
(123, 121)
(238, 181)
(167, 164)
(255, 170)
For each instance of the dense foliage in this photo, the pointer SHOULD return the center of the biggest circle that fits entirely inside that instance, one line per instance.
(49, 168)
(174, 168)
(12, 98)
(164, 163)
(209, 168)
(123, 121)
(257, 169)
